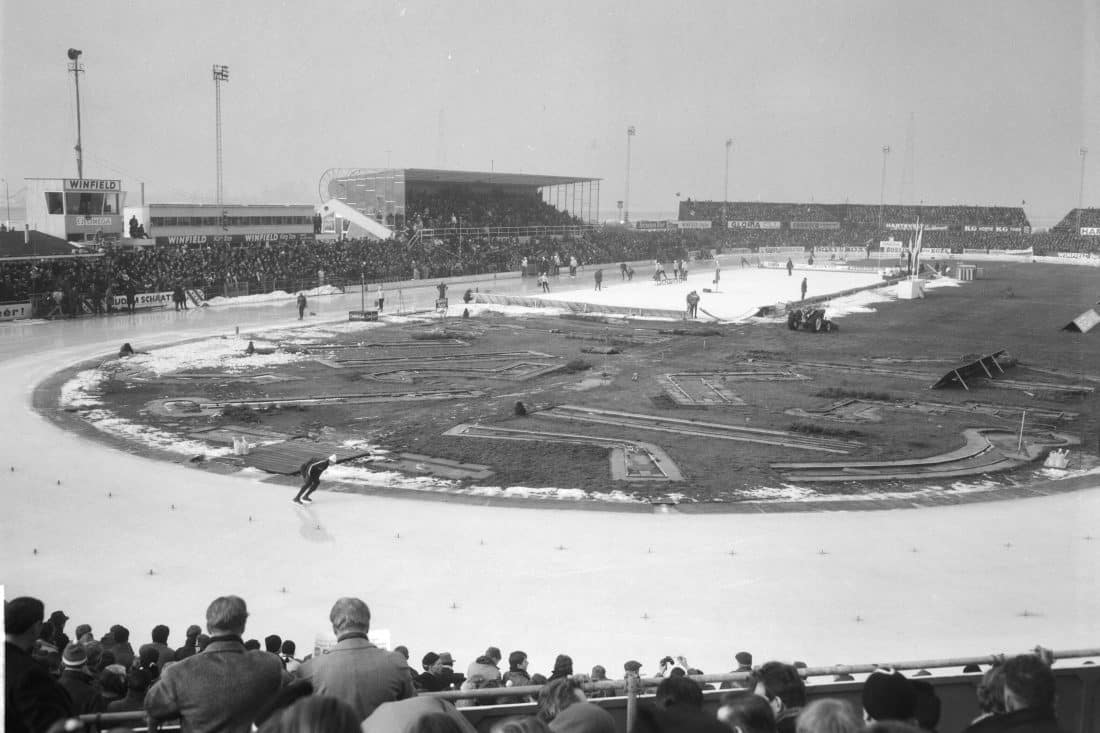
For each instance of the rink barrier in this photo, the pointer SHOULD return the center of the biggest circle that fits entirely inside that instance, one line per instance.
(1077, 691)
(528, 301)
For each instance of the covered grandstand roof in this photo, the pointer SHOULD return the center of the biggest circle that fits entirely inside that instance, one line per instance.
(438, 175)
(40, 245)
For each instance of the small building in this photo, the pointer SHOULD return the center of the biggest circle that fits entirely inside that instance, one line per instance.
(213, 224)
(76, 209)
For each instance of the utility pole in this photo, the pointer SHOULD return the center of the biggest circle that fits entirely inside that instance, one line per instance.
(630, 132)
(221, 74)
(77, 68)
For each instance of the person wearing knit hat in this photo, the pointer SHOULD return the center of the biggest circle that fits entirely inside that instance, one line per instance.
(78, 682)
(311, 471)
(888, 696)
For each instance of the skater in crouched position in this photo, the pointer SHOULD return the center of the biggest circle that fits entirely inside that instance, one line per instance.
(311, 471)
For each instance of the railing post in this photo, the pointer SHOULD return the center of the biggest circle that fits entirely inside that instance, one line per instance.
(633, 683)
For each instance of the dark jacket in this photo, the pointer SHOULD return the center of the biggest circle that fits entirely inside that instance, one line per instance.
(1028, 720)
(218, 691)
(82, 690)
(313, 468)
(428, 682)
(33, 701)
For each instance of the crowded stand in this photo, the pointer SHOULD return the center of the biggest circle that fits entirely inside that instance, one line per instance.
(218, 679)
(465, 206)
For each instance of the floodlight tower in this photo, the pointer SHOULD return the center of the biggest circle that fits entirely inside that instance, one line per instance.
(76, 67)
(882, 188)
(630, 132)
(1081, 188)
(221, 74)
(726, 184)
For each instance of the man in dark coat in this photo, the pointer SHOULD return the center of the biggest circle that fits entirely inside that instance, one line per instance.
(301, 305)
(311, 471)
(431, 679)
(33, 701)
(78, 682)
(1029, 699)
(191, 645)
(225, 687)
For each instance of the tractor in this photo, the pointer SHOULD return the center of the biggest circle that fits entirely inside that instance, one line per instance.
(810, 319)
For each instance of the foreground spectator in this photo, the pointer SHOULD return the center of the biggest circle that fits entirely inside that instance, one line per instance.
(888, 696)
(33, 700)
(557, 695)
(137, 684)
(583, 717)
(744, 665)
(416, 715)
(991, 692)
(517, 676)
(314, 714)
(1029, 699)
(678, 706)
(286, 653)
(224, 687)
(356, 671)
(829, 716)
(744, 712)
(783, 688)
(521, 724)
(431, 679)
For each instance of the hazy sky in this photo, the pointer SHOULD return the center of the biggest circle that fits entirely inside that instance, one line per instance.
(1003, 94)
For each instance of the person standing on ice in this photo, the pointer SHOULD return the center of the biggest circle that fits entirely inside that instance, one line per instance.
(790, 266)
(803, 288)
(301, 305)
(311, 471)
(693, 304)
(599, 279)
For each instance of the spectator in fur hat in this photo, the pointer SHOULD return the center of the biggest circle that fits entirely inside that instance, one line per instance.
(191, 645)
(556, 696)
(159, 644)
(34, 700)
(888, 696)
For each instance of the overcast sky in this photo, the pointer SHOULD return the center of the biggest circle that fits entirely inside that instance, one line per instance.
(1002, 94)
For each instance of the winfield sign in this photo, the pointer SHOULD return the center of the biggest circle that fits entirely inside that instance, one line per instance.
(93, 184)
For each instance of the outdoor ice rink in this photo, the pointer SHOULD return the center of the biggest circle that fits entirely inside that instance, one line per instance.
(113, 537)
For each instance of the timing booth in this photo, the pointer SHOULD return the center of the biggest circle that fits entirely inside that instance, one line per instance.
(76, 209)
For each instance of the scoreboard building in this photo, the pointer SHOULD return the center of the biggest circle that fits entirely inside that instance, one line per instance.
(76, 209)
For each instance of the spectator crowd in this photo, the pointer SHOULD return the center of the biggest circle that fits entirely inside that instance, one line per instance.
(218, 681)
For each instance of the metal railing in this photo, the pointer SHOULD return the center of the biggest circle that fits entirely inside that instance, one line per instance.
(1078, 708)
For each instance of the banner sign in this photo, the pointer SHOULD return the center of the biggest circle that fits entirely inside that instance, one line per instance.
(890, 246)
(1000, 229)
(748, 224)
(274, 237)
(93, 184)
(736, 251)
(815, 225)
(86, 224)
(1078, 255)
(143, 300)
(694, 224)
(1010, 252)
(910, 226)
(652, 225)
(12, 311)
(840, 250)
(782, 250)
(1090, 231)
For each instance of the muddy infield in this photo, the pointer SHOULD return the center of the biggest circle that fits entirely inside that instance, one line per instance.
(722, 417)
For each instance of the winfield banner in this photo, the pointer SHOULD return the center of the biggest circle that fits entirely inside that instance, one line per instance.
(272, 237)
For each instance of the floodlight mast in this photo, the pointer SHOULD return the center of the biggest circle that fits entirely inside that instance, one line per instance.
(221, 74)
(76, 67)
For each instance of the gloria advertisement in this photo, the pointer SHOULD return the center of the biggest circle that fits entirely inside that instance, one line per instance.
(746, 224)
(12, 311)
(90, 224)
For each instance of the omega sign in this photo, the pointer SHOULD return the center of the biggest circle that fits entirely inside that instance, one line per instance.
(92, 184)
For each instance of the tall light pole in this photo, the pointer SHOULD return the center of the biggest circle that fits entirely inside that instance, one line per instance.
(726, 185)
(221, 73)
(1081, 189)
(882, 188)
(630, 132)
(7, 197)
(77, 68)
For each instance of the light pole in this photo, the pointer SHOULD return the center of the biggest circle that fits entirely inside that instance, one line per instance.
(76, 68)
(726, 185)
(221, 73)
(882, 188)
(630, 132)
(7, 198)
(1081, 188)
